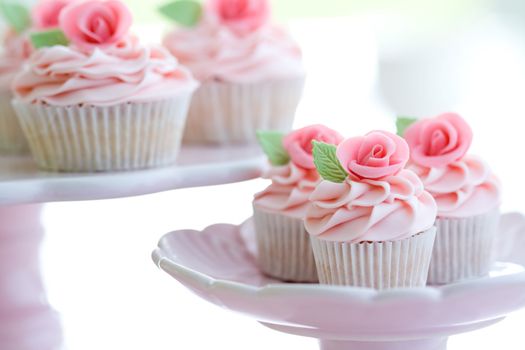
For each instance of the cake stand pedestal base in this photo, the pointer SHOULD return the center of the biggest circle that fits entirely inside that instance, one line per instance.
(426, 344)
(27, 321)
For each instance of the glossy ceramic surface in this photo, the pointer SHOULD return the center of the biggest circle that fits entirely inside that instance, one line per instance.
(218, 264)
(22, 182)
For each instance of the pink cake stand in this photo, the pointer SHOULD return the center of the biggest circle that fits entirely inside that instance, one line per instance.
(218, 265)
(27, 321)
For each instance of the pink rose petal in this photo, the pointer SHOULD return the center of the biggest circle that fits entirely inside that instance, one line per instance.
(46, 13)
(377, 155)
(242, 16)
(299, 145)
(93, 24)
(438, 141)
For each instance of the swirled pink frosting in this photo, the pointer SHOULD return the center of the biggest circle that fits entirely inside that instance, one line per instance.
(17, 49)
(463, 188)
(289, 191)
(354, 211)
(125, 72)
(214, 52)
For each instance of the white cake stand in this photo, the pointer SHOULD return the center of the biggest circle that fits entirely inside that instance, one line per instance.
(21, 182)
(218, 265)
(27, 322)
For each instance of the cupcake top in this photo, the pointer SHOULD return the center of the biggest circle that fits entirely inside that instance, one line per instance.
(292, 172)
(234, 41)
(366, 194)
(22, 22)
(462, 185)
(92, 59)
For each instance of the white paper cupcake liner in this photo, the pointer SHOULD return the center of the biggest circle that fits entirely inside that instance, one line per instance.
(379, 265)
(90, 139)
(224, 113)
(283, 247)
(12, 138)
(463, 248)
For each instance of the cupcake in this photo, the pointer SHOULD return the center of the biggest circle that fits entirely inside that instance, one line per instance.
(466, 192)
(250, 70)
(17, 49)
(284, 250)
(92, 98)
(370, 220)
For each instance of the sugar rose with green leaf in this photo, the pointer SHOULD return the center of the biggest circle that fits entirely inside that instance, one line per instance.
(240, 16)
(297, 146)
(377, 155)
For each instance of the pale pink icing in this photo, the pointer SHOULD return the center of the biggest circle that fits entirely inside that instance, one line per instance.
(125, 72)
(361, 210)
(16, 50)
(214, 52)
(289, 191)
(462, 188)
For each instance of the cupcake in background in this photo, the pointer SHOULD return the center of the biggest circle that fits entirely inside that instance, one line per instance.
(92, 98)
(467, 195)
(250, 69)
(370, 220)
(17, 49)
(283, 245)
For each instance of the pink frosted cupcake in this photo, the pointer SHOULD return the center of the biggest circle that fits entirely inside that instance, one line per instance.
(92, 98)
(16, 51)
(251, 72)
(284, 248)
(467, 195)
(370, 220)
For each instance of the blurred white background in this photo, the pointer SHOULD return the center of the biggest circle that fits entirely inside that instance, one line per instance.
(383, 59)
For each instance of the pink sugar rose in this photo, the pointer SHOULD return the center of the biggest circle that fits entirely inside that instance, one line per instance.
(299, 145)
(374, 156)
(91, 24)
(439, 141)
(46, 13)
(242, 16)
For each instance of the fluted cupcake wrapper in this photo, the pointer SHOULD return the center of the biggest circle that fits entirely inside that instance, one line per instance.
(12, 138)
(379, 265)
(463, 248)
(90, 139)
(283, 246)
(225, 113)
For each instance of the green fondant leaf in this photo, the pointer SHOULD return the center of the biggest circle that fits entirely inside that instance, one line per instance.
(272, 144)
(402, 123)
(49, 38)
(185, 12)
(326, 162)
(16, 15)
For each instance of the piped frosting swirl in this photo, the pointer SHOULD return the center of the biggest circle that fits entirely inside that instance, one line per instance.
(361, 210)
(125, 72)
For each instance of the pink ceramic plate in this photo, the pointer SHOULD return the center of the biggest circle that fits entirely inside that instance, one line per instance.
(218, 265)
